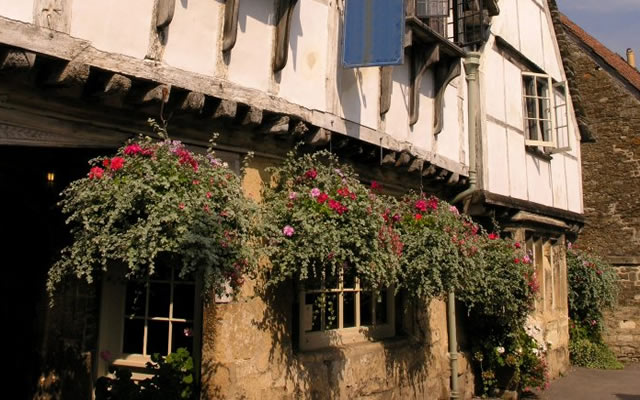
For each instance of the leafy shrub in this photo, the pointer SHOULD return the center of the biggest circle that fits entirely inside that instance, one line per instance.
(318, 220)
(177, 203)
(593, 288)
(171, 379)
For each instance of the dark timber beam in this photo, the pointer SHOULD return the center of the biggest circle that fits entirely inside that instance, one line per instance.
(248, 116)
(421, 59)
(230, 28)
(386, 86)
(284, 12)
(318, 137)
(275, 125)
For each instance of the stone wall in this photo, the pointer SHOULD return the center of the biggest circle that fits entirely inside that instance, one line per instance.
(611, 180)
(623, 323)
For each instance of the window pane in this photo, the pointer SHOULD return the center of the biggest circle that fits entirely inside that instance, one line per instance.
(133, 336)
(159, 300)
(183, 301)
(135, 299)
(349, 278)
(161, 273)
(349, 310)
(331, 311)
(313, 301)
(182, 336)
(158, 337)
(365, 309)
(381, 308)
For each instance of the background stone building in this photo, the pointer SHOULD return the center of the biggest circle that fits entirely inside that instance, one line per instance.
(606, 95)
(79, 77)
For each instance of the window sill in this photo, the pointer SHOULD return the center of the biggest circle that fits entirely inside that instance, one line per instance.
(337, 352)
(536, 152)
(345, 337)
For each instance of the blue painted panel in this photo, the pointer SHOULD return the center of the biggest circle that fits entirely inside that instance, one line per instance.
(373, 33)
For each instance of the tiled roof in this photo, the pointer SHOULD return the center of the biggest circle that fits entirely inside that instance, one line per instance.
(627, 72)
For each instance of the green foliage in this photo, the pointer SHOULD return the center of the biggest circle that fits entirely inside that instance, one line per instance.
(318, 219)
(171, 379)
(439, 246)
(153, 199)
(593, 287)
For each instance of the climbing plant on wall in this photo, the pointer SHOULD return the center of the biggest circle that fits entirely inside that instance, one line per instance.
(156, 198)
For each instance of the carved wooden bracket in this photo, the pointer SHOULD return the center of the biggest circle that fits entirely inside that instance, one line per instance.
(164, 13)
(445, 73)
(284, 12)
(230, 29)
(386, 86)
(421, 59)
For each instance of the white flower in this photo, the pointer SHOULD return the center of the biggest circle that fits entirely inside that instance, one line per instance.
(536, 351)
(500, 350)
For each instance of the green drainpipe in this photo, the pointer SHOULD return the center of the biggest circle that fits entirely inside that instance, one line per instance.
(471, 64)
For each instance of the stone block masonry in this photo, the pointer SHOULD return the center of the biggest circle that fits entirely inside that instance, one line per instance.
(623, 323)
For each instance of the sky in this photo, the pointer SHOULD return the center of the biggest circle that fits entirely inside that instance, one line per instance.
(615, 23)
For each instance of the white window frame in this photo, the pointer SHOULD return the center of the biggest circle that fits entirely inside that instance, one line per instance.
(340, 336)
(112, 320)
(432, 8)
(555, 113)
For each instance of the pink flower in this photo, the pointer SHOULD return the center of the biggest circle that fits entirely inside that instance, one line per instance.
(117, 163)
(311, 174)
(322, 198)
(209, 195)
(132, 149)
(196, 182)
(454, 210)
(433, 203)
(337, 206)
(421, 205)
(526, 259)
(288, 231)
(599, 272)
(181, 206)
(147, 152)
(96, 173)
(594, 322)
(375, 185)
(396, 218)
(293, 196)
(569, 245)
(315, 192)
(493, 236)
(187, 332)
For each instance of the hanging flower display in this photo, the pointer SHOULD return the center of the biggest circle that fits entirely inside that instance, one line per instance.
(319, 221)
(152, 199)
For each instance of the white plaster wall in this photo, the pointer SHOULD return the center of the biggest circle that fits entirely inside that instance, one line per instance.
(530, 18)
(358, 99)
(303, 79)
(493, 69)
(118, 26)
(559, 182)
(254, 42)
(20, 10)
(448, 142)
(574, 179)
(552, 60)
(513, 96)
(498, 167)
(517, 165)
(505, 24)
(539, 180)
(193, 35)
(397, 118)
(421, 133)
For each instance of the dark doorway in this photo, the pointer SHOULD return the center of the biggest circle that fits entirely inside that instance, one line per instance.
(33, 233)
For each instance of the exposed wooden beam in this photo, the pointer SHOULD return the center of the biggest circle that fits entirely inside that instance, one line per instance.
(429, 171)
(230, 28)
(183, 101)
(386, 86)
(67, 74)
(389, 158)
(403, 159)
(318, 137)
(163, 11)
(275, 125)
(16, 59)
(248, 116)
(444, 74)
(416, 165)
(224, 108)
(144, 93)
(299, 128)
(284, 11)
(421, 60)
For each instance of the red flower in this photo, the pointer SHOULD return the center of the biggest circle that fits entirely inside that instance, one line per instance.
(517, 245)
(117, 163)
(311, 174)
(517, 261)
(433, 203)
(375, 185)
(96, 173)
(208, 195)
(196, 182)
(421, 205)
(132, 149)
(322, 198)
(418, 217)
(147, 152)
(493, 236)
(396, 218)
(337, 206)
(106, 163)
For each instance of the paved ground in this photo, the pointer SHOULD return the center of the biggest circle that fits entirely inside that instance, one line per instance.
(595, 384)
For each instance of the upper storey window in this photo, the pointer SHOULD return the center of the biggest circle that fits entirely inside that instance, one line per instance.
(546, 112)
